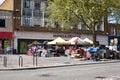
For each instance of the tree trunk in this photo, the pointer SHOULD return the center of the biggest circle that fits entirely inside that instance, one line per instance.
(94, 37)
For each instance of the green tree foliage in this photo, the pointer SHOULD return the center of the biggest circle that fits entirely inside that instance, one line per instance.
(89, 12)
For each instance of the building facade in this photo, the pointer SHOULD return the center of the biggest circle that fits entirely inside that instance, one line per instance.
(27, 23)
(6, 30)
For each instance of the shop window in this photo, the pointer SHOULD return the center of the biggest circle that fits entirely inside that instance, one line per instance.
(23, 47)
(2, 23)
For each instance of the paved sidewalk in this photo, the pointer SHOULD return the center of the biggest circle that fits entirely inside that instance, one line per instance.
(11, 62)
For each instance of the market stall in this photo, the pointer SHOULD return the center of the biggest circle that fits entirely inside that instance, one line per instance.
(76, 41)
(59, 41)
(88, 41)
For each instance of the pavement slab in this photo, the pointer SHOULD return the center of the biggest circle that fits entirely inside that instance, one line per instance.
(22, 62)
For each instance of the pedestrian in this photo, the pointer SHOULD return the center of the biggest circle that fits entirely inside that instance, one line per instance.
(67, 52)
(9, 50)
(33, 49)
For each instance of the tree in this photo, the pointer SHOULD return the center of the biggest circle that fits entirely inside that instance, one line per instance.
(90, 12)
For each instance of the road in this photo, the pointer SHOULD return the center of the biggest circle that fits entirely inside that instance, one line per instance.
(81, 72)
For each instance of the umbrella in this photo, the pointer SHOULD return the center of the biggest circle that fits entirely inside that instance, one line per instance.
(93, 50)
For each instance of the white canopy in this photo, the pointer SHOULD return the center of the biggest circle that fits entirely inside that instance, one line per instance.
(88, 41)
(76, 40)
(59, 40)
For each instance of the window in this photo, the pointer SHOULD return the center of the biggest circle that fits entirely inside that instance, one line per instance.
(2, 23)
(83, 27)
(26, 4)
(33, 13)
(26, 21)
(27, 12)
(57, 25)
(118, 30)
(113, 31)
(37, 13)
(99, 27)
(46, 11)
(37, 5)
(37, 21)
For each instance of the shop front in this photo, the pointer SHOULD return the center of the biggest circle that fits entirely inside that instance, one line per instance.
(25, 44)
(24, 39)
(5, 41)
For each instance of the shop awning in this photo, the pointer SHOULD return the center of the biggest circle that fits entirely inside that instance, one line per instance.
(6, 35)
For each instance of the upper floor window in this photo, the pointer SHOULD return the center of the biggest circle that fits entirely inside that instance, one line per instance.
(37, 13)
(118, 31)
(2, 23)
(33, 13)
(37, 5)
(26, 21)
(99, 27)
(27, 12)
(83, 27)
(113, 31)
(26, 4)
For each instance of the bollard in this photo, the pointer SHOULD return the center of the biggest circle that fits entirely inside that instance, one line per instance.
(5, 61)
(1, 58)
(35, 59)
(20, 61)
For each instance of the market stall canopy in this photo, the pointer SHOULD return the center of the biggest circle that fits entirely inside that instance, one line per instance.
(88, 41)
(76, 40)
(59, 41)
(34, 43)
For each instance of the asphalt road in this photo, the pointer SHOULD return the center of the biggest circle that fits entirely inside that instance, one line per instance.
(81, 72)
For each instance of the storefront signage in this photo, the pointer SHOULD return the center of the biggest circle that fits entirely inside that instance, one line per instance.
(6, 35)
(114, 40)
(65, 35)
